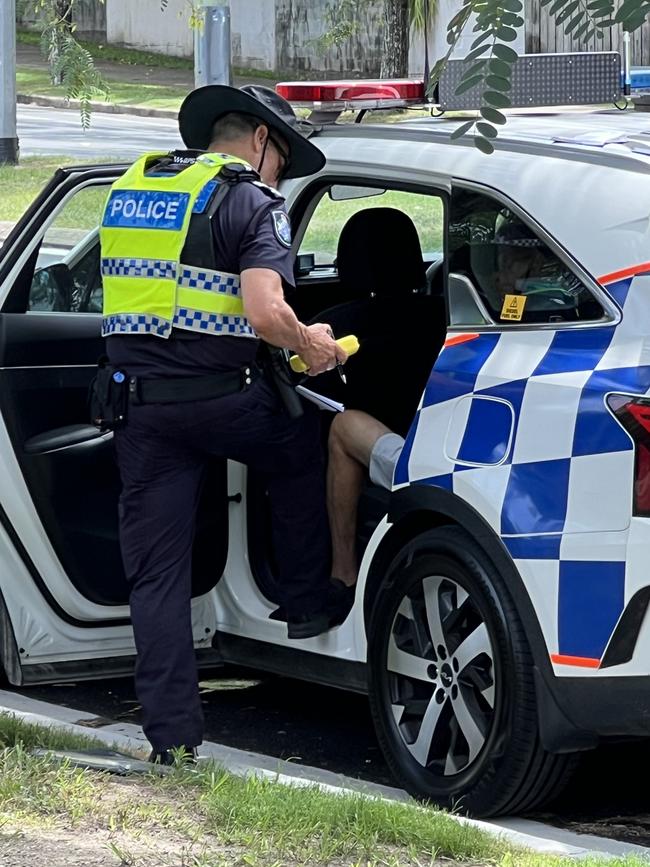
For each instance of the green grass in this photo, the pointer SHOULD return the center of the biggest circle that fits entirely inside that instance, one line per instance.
(100, 51)
(217, 819)
(21, 184)
(329, 218)
(36, 82)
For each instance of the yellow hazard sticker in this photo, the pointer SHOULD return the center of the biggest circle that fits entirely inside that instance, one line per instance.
(513, 307)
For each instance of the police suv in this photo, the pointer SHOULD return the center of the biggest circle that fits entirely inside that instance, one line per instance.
(500, 621)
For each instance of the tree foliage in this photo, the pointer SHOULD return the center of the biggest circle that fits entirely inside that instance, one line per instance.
(495, 24)
(71, 65)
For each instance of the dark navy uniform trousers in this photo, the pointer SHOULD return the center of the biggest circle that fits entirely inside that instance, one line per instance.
(161, 455)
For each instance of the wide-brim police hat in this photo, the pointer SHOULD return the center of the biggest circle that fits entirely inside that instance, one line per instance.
(204, 106)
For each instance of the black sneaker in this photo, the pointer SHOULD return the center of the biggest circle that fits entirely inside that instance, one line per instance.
(188, 756)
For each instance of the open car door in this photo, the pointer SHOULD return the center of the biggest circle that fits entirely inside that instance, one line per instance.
(60, 485)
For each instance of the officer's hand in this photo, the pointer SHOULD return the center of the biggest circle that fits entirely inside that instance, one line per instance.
(322, 353)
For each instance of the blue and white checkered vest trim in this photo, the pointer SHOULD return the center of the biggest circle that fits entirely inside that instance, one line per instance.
(185, 317)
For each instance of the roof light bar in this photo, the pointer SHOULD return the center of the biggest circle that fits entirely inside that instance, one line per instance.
(353, 95)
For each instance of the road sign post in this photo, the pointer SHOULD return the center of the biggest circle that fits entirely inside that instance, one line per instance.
(8, 137)
(212, 51)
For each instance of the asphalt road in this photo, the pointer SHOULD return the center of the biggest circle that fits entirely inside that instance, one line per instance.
(110, 136)
(331, 729)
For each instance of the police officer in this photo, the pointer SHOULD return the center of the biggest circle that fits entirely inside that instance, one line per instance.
(195, 260)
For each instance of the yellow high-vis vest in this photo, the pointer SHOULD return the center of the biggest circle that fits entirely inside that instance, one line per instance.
(147, 289)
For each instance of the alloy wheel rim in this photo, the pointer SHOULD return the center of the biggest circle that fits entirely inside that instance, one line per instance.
(441, 676)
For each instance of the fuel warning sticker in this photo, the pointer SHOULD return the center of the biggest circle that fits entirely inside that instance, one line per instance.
(513, 308)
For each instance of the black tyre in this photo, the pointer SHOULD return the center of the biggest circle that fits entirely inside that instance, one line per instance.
(451, 683)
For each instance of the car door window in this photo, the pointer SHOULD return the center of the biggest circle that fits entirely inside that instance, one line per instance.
(517, 277)
(67, 276)
(331, 214)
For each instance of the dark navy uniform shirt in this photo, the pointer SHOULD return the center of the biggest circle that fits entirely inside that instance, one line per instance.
(246, 235)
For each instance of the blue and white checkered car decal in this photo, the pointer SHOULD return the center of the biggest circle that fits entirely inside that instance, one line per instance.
(554, 477)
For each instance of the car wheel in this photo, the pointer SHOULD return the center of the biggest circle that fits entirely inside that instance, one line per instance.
(451, 682)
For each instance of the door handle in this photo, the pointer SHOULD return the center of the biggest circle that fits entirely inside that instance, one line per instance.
(75, 437)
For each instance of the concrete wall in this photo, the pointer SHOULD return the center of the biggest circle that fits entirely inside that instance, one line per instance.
(89, 17)
(300, 23)
(253, 30)
(281, 35)
(141, 24)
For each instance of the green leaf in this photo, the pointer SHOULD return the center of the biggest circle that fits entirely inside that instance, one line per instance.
(483, 144)
(574, 22)
(511, 19)
(605, 22)
(506, 34)
(480, 39)
(476, 68)
(492, 115)
(498, 83)
(500, 68)
(462, 129)
(505, 53)
(468, 83)
(626, 9)
(567, 12)
(514, 5)
(477, 52)
(486, 129)
(595, 5)
(557, 5)
(496, 99)
(580, 32)
(457, 19)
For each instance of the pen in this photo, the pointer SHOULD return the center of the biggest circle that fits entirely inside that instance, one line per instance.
(339, 366)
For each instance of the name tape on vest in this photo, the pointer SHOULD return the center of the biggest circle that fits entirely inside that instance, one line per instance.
(146, 209)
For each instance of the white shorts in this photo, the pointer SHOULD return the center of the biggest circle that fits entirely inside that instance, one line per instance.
(383, 459)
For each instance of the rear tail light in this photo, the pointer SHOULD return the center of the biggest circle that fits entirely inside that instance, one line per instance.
(634, 415)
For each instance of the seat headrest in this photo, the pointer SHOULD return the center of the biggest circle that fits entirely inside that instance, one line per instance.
(379, 251)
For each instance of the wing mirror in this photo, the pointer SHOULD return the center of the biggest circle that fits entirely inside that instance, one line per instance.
(52, 288)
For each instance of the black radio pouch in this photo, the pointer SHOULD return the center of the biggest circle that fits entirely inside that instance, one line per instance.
(108, 397)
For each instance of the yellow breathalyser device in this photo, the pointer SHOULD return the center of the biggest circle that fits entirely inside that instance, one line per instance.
(348, 344)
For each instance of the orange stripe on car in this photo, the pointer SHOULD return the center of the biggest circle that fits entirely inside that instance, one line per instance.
(577, 661)
(459, 338)
(615, 276)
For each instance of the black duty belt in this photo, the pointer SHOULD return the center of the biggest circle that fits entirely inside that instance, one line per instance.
(186, 389)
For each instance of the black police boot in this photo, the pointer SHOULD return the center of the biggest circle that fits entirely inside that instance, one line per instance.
(308, 625)
(189, 756)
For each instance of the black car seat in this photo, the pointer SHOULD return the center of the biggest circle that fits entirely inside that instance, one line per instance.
(400, 328)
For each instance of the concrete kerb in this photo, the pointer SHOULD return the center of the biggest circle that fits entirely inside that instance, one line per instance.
(101, 107)
(519, 832)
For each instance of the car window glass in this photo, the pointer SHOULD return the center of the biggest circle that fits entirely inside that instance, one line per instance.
(322, 234)
(67, 276)
(516, 275)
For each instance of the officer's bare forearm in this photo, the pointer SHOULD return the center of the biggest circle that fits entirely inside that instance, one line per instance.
(268, 313)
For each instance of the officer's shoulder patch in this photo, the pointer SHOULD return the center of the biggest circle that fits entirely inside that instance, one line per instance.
(270, 191)
(282, 227)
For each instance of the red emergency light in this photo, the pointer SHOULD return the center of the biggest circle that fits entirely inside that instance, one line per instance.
(355, 95)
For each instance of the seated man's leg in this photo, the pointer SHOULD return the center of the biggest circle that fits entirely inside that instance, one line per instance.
(352, 438)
